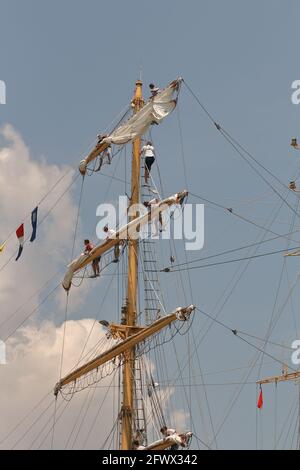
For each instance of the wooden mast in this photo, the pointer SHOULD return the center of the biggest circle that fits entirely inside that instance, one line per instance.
(131, 308)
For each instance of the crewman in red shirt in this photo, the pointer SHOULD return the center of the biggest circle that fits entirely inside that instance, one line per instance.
(88, 246)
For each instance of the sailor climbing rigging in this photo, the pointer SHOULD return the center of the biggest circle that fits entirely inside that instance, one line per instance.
(110, 233)
(88, 246)
(104, 158)
(158, 220)
(100, 138)
(148, 153)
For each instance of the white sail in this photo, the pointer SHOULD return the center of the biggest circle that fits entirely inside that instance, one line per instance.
(154, 111)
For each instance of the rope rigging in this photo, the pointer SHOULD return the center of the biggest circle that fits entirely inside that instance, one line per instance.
(231, 211)
(295, 212)
(226, 252)
(270, 253)
(243, 153)
(245, 268)
(66, 307)
(43, 219)
(237, 334)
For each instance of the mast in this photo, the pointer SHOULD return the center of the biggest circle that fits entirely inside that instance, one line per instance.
(129, 332)
(132, 286)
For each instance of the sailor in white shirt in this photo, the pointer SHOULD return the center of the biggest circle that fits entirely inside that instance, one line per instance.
(149, 155)
(166, 432)
(105, 158)
(110, 235)
(158, 220)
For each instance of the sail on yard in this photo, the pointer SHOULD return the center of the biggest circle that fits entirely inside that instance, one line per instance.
(157, 109)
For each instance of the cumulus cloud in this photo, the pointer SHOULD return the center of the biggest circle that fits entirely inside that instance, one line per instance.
(33, 367)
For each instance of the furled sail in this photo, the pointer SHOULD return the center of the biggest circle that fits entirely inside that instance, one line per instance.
(176, 439)
(126, 232)
(154, 111)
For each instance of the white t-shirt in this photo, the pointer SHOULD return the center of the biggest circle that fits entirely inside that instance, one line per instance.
(148, 150)
(154, 91)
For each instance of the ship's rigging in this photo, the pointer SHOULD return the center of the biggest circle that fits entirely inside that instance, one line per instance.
(288, 199)
(124, 354)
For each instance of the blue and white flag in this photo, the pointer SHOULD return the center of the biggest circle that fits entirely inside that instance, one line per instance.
(34, 224)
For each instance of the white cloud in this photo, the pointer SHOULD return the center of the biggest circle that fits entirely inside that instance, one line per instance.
(32, 369)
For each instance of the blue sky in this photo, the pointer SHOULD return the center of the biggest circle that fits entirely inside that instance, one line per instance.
(70, 67)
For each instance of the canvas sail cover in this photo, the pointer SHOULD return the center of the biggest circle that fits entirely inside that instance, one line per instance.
(154, 111)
